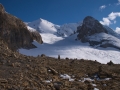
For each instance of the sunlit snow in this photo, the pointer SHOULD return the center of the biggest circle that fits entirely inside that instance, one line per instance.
(55, 44)
(69, 47)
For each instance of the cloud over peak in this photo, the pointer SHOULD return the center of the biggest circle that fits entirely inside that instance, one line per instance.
(105, 21)
(113, 15)
(111, 18)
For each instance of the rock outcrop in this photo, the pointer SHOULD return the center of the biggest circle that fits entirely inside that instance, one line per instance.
(89, 27)
(15, 32)
(36, 36)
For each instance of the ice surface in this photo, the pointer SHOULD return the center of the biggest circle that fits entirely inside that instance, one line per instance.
(67, 46)
(103, 36)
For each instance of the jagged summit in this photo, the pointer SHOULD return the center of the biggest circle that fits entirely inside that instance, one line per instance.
(90, 26)
(95, 33)
(42, 25)
(42, 20)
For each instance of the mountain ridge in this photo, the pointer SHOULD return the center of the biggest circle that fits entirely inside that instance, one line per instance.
(44, 26)
(101, 46)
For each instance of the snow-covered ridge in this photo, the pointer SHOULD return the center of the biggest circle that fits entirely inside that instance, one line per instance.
(50, 32)
(112, 32)
(68, 29)
(44, 26)
(108, 39)
(31, 29)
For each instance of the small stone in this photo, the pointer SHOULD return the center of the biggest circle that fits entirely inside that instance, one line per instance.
(42, 55)
(110, 63)
(25, 83)
(53, 71)
(3, 81)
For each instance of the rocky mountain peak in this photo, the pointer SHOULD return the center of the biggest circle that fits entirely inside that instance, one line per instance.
(89, 27)
(97, 34)
(89, 19)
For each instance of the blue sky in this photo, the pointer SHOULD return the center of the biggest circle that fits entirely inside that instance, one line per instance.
(65, 11)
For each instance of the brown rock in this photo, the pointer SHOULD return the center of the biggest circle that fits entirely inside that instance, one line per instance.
(25, 83)
(36, 36)
(3, 81)
(53, 71)
(110, 63)
(14, 32)
(42, 55)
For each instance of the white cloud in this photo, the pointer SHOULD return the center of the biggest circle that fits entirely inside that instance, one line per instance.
(102, 7)
(111, 18)
(117, 30)
(118, 2)
(105, 21)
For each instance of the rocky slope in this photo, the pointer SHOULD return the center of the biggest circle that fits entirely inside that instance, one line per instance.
(15, 32)
(20, 72)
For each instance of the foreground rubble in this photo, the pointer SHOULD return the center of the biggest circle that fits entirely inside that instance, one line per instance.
(20, 72)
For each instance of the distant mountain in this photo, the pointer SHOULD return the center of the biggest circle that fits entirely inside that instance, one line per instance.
(44, 26)
(90, 30)
(14, 32)
(76, 40)
(89, 27)
(96, 34)
(68, 29)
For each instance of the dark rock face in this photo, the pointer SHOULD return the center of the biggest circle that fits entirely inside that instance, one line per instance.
(90, 26)
(36, 36)
(15, 32)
